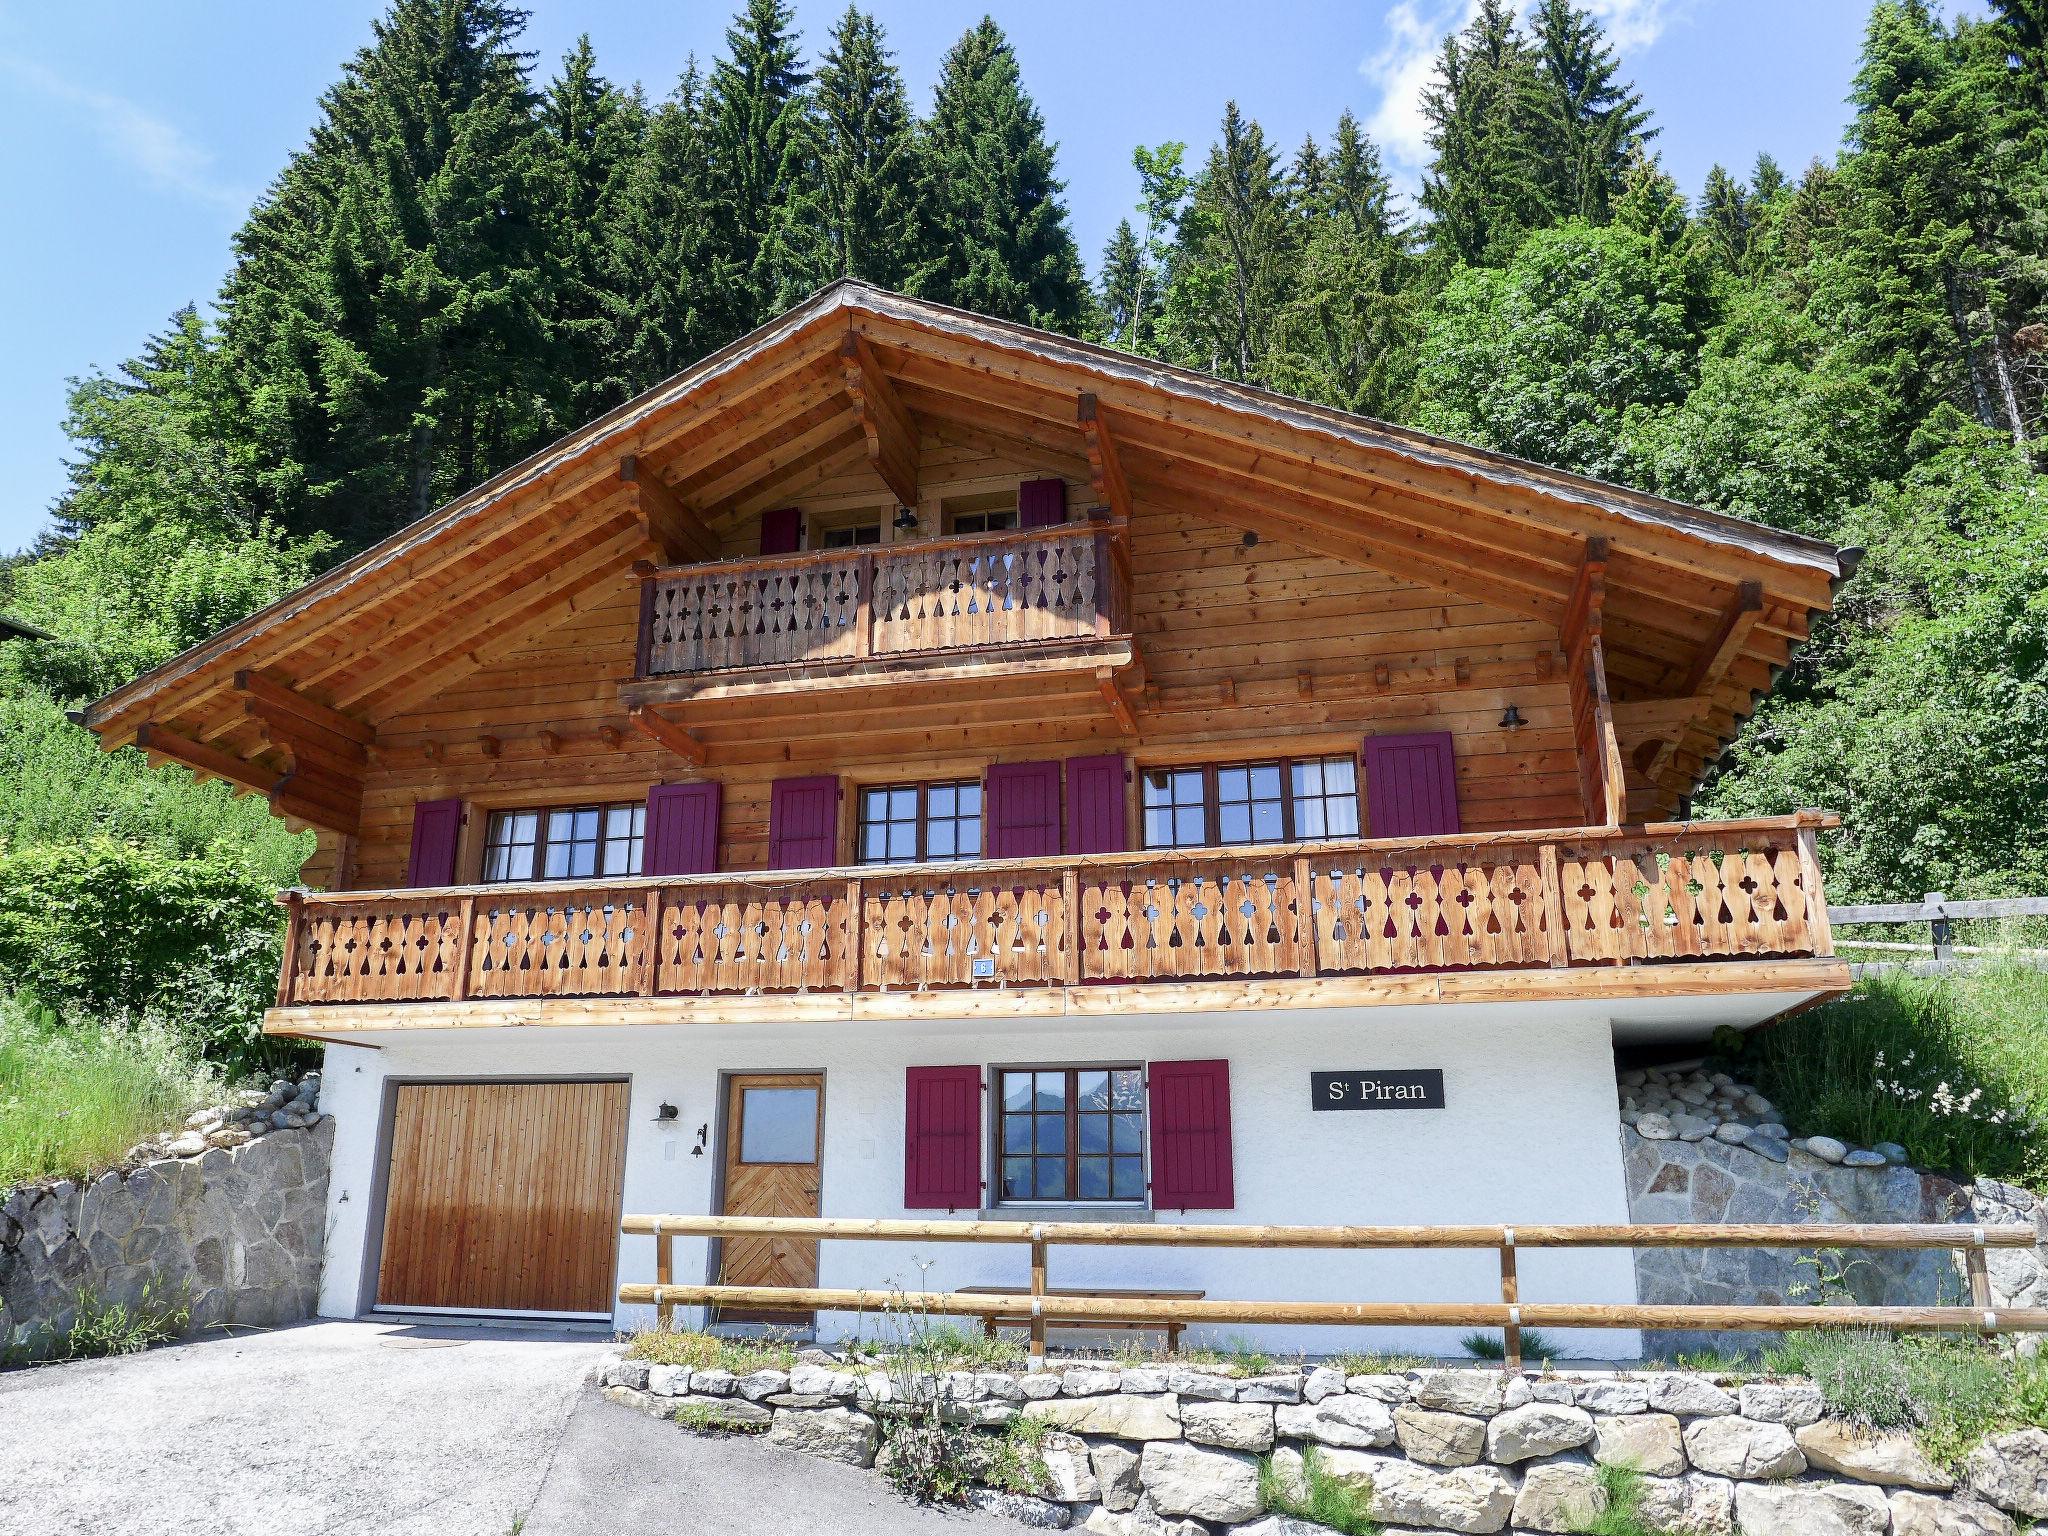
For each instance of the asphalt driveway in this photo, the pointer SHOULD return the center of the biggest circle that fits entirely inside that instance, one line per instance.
(400, 1431)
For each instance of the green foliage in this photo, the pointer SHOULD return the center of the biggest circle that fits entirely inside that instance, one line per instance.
(1317, 1495)
(74, 1097)
(868, 158)
(1485, 1345)
(1620, 1502)
(1950, 1392)
(707, 1352)
(1954, 1069)
(124, 932)
(102, 1327)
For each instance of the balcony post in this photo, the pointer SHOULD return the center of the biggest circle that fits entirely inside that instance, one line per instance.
(1305, 914)
(644, 649)
(1818, 934)
(1070, 898)
(855, 934)
(864, 606)
(294, 923)
(465, 943)
(650, 971)
(1553, 909)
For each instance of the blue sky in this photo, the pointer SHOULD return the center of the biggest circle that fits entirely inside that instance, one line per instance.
(136, 134)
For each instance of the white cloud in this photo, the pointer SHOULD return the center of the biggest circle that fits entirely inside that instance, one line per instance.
(160, 150)
(1415, 30)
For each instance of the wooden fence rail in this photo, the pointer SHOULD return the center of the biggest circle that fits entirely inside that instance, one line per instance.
(1510, 1314)
(1940, 914)
(1536, 900)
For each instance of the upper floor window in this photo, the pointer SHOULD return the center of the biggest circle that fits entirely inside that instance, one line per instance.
(852, 536)
(914, 823)
(991, 512)
(1071, 1133)
(576, 842)
(1278, 801)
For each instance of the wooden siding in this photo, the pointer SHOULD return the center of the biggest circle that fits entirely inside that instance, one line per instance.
(1297, 637)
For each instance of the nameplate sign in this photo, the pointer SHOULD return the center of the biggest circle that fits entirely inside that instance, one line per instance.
(1422, 1088)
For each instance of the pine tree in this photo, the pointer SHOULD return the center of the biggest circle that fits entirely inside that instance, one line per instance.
(385, 314)
(1727, 220)
(1128, 301)
(687, 297)
(592, 134)
(1488, 114)
(1233, 258)
(1346, 325)
(994, 234)
(868, 163)
(1591, 122)
(764, 146)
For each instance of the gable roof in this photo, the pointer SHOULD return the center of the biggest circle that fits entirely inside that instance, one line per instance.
(748, 425)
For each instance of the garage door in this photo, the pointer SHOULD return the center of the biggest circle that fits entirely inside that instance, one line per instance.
(503, 1197)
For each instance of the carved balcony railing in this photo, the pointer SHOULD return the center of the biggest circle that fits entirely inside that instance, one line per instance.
(965, 593)
(1535, 901)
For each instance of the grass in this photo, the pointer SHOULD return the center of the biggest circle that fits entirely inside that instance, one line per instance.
(1954, 1069)
(702, 1419)
(1368, 1363)
(708, 1352)
(1235, 1357)
(1319, 1497)
(1621, 1504)
(1714, 1362)
(1481, 1344)
(947, 1346)
(73, 1100)
(1950, 1392)
(103, 1327)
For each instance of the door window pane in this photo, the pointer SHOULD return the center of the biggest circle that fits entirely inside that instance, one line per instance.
(778, 1125)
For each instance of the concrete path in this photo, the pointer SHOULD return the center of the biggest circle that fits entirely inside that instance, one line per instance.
(398, 1431)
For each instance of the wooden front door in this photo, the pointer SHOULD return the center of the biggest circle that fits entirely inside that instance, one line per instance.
(774, 1166)
(503, 1197)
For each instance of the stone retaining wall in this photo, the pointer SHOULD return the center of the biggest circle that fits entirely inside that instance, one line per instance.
(233, 1230)
(1166, 1450)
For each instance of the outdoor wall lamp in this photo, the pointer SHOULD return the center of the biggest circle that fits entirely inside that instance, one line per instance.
(703, 1136)
(1511, 719)
(665, 1115)
(906, 520)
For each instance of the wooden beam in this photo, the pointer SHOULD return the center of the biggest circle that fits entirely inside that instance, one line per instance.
(277, 695)
(156, 741)
(1113, 695)
(282, 729)
(1729, 637)
(669, 735)
(317, 802)
(891, 434)
(679, 532)
(1105, 464)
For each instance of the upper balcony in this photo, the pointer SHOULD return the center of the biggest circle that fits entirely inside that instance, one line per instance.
(1584, 914)
(1044, 597)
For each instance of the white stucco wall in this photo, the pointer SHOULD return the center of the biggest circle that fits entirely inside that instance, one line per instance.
(1530, 1133)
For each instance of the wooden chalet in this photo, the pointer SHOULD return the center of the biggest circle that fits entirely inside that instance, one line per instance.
(897, 686)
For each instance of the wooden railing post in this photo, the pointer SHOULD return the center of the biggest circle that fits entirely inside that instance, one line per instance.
(465, 944)
(1938, 930)
(1553, 909)
(294, 924)
(1037, 1298)
(1305, 914)
(1819, 934)
(1511, 1296)
(664, 1276)
(644, 648)
(864, 607)
(650, 976)
(1070, 898)
(856, 935)
(1979, 1271)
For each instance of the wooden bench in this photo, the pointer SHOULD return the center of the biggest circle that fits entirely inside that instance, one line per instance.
(1022, 1319)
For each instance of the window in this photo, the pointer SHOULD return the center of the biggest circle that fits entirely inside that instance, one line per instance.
(991, 512)
(578, 842)
(914, 823)
(855, 533)
(1071, 1133)
(1270, 802)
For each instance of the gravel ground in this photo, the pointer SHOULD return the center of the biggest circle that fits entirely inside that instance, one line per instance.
(401, 1431)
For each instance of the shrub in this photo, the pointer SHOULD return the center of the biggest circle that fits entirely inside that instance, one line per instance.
(1950, 1392)
(133, 934)
(74, 1099)
(1953, 1069)
(1316, 1496)
(1482, 1344)
(103, 1327)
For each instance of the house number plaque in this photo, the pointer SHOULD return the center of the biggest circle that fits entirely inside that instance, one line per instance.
(1422, 1088)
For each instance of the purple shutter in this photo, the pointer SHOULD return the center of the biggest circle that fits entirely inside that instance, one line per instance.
(1041, 503)
(436, 824)
(1021, 809)
(682, 830)
(1411, 786)
(942, 1139)
(1190, 1110)
(1095, 805)
(803, 823)
(781, 531)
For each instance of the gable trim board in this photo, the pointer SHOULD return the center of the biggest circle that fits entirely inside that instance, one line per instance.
(191, 691)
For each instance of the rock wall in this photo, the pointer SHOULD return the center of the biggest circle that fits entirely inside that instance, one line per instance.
(235, 1232)
(1165, 1450)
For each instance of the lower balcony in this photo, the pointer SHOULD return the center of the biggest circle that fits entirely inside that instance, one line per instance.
(1677, 910)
